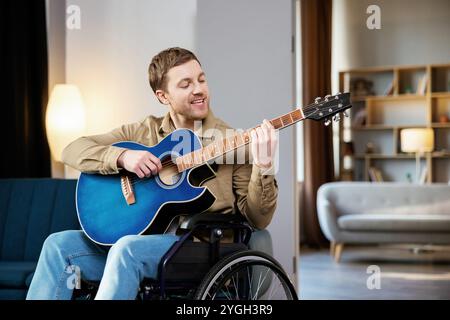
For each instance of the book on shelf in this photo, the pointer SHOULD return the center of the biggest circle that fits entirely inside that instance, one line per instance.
(423, 175)
(360, 118)
(389, 89)
(375, 175)
(422, 85)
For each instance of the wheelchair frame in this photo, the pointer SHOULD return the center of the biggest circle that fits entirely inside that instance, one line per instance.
(216, 224)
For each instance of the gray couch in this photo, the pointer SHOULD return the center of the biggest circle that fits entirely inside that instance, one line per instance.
(388, 212)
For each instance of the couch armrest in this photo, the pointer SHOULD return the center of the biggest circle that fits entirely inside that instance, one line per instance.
(328, 216)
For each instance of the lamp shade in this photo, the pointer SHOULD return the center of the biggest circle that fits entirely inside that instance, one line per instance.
(65, 118)
(417, 140)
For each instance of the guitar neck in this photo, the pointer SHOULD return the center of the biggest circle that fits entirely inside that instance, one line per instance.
(218, 148)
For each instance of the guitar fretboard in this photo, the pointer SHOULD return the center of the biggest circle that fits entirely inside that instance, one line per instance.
(239, 139)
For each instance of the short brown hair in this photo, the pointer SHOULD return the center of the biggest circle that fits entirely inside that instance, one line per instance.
(163, 62)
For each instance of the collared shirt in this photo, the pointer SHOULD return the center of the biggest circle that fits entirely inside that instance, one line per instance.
(239, 186)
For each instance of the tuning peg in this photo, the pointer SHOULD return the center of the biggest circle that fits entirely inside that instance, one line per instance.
(345, 114)
(327, 122)
(316, 100)
(326, 97)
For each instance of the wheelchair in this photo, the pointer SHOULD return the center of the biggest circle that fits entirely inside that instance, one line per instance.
(200, 266)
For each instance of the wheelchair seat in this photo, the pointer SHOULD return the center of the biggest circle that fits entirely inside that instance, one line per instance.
(260, 240)
(225, 218)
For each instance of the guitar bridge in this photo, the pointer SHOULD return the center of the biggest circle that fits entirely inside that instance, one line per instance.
(127, 190)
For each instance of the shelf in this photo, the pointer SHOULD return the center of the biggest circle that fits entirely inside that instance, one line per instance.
(440, 94)
(385, 127)
(440, 125)
(435, 125)
(435, 155)
(387, 100)
(441, 65)
(439, 155)
(389, 68)
(384, 156)
(398, 97)
(369, 70)
(373, 127)
(402, 96)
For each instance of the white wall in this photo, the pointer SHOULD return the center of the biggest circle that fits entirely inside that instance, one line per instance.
(109, 56)
(245, 48)
(56, 42)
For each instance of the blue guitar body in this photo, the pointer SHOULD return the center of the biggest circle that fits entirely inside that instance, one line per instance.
(106, 216)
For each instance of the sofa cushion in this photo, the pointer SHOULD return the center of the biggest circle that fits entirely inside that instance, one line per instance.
(15, 274)
(13, 294)
(30, 210)
(395, 222)
(386, 198)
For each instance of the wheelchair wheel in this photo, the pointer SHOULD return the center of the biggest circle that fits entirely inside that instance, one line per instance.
(246, 275)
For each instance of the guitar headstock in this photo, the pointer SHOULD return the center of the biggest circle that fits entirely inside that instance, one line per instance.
(327, 107)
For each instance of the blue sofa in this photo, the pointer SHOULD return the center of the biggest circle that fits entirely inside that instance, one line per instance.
(30, 210)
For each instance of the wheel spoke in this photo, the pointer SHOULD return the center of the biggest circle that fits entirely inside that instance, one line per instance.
(228, 297)
(235, 287)
(264, 279)
(250, 279)
(257, 287)
(226, 286)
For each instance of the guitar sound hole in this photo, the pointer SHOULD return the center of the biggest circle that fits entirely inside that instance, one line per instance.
(169, 174)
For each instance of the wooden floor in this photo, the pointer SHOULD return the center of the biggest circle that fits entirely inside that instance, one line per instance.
(404, 273)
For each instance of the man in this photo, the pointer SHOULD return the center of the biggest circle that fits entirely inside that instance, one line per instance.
(178, 81)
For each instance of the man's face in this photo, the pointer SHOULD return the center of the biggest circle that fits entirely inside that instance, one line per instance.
(187, 91)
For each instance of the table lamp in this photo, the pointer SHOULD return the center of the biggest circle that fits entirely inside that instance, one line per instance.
(419, 141)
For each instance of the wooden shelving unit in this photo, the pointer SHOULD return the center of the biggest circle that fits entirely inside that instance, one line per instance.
(385, 101)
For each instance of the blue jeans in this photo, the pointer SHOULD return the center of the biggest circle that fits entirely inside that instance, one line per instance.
(68, 254)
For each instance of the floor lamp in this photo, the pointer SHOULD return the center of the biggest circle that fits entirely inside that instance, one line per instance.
(65, 118)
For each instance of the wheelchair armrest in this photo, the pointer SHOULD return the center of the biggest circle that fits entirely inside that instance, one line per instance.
(212, 218)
